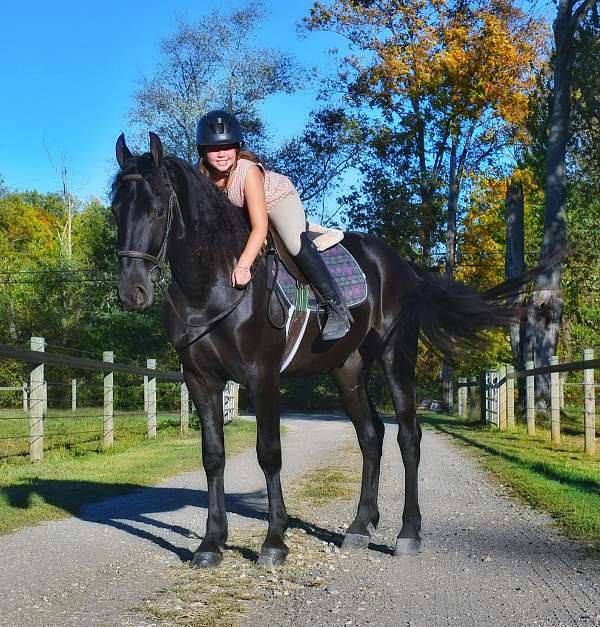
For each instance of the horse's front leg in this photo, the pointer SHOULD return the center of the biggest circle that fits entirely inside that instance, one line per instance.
(208, 400)
(268, 448)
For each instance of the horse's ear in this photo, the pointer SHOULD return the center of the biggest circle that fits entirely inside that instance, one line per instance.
(123, 153)
(156, 149)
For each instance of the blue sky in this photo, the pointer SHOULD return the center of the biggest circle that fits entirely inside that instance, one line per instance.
(68, 70)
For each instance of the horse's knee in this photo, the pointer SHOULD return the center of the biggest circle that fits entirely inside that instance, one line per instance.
(409, 434)
(371, 444)
(213, 461)
(269, 457)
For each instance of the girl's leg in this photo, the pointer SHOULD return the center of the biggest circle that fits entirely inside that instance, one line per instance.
(289, 218)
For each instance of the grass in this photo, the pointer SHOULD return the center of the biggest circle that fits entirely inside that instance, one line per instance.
(79, 432)
(71, 477)
(558, 479)
(327, 484)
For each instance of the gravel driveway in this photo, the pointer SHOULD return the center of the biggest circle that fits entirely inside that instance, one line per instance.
(486, 559)
(91, 570)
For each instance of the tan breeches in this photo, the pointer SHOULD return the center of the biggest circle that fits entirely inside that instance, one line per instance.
(289, 220)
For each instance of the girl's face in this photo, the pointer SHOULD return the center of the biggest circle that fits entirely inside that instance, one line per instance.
(221, 158)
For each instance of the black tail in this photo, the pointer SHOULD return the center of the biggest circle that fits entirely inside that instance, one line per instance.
(453, 315)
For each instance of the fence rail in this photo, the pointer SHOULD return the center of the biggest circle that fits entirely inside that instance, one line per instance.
(35, 397)
(499, 395)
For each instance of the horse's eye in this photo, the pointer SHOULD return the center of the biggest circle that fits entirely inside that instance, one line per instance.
(159, 211)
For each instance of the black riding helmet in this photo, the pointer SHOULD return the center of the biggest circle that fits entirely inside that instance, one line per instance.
(218, 128)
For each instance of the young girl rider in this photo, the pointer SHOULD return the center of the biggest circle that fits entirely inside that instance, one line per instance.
(267, 196)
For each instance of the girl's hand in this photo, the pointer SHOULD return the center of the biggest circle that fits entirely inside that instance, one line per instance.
(240, 276)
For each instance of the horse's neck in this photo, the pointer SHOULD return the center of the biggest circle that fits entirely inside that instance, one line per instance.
(197, 285)
(193, 281)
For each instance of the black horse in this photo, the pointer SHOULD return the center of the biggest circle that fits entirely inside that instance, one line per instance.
(164, 211)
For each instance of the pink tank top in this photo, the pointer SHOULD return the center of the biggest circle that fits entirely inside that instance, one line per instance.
(277, 186)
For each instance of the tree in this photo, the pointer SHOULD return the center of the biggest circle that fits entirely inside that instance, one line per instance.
(316, 159)
(453, 76)
(547, 304)
(213, 64)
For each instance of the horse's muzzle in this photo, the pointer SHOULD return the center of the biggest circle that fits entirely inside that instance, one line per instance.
(136, 292)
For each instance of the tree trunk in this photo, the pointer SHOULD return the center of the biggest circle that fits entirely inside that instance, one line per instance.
(546, 305)
(514, 266)
(447, 383)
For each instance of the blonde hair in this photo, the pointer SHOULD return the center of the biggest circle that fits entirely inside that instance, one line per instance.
(205, 168)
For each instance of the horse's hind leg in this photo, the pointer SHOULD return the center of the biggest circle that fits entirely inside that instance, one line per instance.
(399, 359)
(351, 383)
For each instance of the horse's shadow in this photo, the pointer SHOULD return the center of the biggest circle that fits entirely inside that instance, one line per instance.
(143, 511)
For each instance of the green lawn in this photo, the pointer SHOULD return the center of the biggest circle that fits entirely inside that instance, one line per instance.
(559, 479)
(70, 477)
(78, 432)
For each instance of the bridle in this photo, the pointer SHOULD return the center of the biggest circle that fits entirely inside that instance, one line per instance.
(159, 260)
(157, 272)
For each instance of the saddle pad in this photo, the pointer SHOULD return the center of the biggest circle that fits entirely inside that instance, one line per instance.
(346, 273)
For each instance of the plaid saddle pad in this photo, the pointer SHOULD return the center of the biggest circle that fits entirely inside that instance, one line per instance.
(345, 271)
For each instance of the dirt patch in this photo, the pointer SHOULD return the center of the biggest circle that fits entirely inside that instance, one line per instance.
(221, 596)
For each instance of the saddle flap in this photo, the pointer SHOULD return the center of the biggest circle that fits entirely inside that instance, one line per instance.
(286, 259)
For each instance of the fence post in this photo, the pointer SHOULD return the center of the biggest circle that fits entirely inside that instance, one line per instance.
(146, 393)
(236, 399)
(472, 396)
(462, 397)
(25, 398)
(185, 404)
(589, 404)
(510, 397)
(483, 396)
(108, 429)
(45, 401)
(555, 402)
(73, 395)
(530, 399)
(151, 386)
(36, 405)
(502, 398)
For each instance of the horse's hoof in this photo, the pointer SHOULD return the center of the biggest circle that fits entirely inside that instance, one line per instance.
(407, 546)
(355, 541)
(272, 557)
(206, 559)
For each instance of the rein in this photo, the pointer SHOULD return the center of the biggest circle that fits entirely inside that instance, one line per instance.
(157, 272)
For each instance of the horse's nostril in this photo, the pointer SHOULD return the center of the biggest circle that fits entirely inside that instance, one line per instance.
(140, 296)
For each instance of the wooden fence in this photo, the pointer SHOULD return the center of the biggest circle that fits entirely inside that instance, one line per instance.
(35, 392)
(498, 396)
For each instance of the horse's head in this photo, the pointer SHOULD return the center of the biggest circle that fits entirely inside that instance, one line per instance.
(143, 205)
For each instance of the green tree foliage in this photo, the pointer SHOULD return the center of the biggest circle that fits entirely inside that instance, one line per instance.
(317, 159)
(71, 301)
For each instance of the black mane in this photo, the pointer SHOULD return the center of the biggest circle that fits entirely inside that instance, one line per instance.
(216, 229)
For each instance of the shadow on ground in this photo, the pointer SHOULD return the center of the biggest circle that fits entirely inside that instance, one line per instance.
(135, 509)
